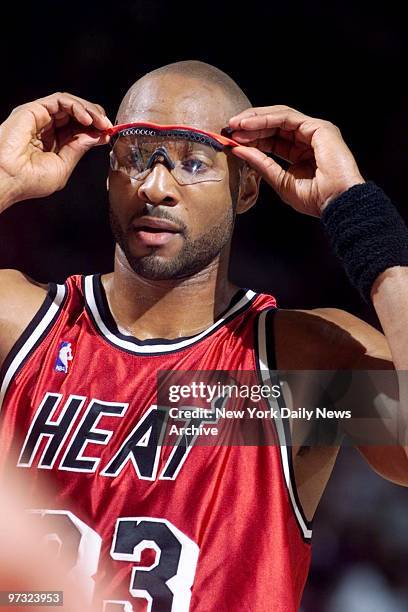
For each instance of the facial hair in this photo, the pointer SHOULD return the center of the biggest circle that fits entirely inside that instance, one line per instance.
(194, 256)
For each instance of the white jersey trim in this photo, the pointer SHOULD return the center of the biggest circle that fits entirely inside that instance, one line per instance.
(38, 326)
(130, 344)
(284, 449)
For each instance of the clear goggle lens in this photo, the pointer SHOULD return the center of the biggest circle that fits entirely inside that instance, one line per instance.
(188, 161)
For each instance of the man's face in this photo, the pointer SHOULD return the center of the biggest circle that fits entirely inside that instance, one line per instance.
(202, 213)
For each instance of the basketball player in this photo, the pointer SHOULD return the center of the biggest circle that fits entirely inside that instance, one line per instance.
(170, 528)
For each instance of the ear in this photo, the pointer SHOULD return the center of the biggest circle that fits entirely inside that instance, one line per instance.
(248, 189)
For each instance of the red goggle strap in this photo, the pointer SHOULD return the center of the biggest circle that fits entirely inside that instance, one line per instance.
(181, 131)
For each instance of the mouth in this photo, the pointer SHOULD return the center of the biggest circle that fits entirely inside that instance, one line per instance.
(155, 232)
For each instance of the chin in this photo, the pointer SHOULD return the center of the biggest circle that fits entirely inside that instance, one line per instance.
(155, 267)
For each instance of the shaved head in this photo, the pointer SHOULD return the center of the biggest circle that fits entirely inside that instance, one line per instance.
(189, 92)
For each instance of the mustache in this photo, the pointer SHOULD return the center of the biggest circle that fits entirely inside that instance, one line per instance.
(151, 211)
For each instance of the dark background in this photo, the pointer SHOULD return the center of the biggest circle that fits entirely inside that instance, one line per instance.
(337, 60)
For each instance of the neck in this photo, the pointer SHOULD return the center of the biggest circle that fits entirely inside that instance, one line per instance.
(167, 308)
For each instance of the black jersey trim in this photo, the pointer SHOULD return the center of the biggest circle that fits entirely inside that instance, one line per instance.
(98, 309)
(271, 356)
(267, 366)
(32, 335)
(106, 315)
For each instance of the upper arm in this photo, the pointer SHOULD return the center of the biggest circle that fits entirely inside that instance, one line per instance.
(332, 339)
(20, 298)
(389, 460)
(328, 339)
(362, 346)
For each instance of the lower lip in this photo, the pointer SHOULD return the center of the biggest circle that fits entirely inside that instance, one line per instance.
(154, 238)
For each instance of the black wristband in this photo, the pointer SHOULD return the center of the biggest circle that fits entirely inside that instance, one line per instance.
(366, 233)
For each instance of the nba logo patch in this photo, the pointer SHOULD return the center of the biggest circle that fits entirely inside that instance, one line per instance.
(64, 356)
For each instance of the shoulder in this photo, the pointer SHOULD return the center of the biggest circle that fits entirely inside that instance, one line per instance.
(326, 338)
(20, 299)
(19, 291)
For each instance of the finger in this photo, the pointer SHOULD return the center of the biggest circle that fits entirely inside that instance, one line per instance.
(253, 111)
(79, 138)
(83, 111)
(76, 110)
(97, 112)
(284, 145)
(101, 122)
(87, 104)
(245, 137)
(57, 121)
(52, 134)
(56, 104)
(288, 150)
(287, 120)
(290, 153)
(268, 168)
(86, 115)
(63, 118)
(76, 148)
(60, 120)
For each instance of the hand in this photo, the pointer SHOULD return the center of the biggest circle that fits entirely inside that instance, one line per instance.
(42, 141)
(321, 165)
(26, 562)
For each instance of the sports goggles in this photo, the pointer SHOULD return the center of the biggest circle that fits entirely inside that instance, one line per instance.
(191, 155)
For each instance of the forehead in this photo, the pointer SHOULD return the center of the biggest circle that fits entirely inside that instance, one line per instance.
(176, 99)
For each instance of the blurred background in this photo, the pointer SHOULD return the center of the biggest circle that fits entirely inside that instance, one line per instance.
(343, 61)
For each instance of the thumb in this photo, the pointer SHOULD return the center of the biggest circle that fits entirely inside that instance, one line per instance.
(72, 152)
(267, 167)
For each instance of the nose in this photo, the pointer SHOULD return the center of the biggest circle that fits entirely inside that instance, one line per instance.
(159, 187)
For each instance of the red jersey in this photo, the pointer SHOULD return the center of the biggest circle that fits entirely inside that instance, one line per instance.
(154, 527)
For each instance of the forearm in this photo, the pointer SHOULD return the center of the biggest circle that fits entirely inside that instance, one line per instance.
(369, 236)
(390, 299)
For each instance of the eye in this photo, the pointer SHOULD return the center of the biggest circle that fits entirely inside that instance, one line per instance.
(195, 165)
(134, 157)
